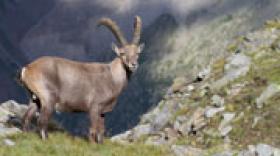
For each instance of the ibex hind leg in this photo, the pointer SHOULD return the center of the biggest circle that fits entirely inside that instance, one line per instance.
(29, 114)
(45, 114)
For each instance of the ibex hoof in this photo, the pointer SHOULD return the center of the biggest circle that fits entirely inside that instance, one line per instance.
(99, 138)
(25, 129)
(44, 135)
(96, 138)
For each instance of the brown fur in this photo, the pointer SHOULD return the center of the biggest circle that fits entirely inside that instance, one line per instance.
(65, 85)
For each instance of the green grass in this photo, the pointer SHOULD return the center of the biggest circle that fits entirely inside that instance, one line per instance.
(264, 71)
(60, 144)
(273, 24)
(218, 69)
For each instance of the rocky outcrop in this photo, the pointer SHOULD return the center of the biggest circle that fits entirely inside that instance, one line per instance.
(11, 114)
(237, 65)
(269, 92)
(227, 108)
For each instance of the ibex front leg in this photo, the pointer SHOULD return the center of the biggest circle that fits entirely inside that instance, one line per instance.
(101, 128)
(96, 130)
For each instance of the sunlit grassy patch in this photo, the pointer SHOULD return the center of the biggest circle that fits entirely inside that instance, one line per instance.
(273, 24)
(62, 144)
(218, 68)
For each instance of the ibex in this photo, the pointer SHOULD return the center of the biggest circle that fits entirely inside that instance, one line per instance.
(65, 85)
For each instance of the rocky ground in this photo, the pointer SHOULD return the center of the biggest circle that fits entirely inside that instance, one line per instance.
(230, 108)
(11, 114)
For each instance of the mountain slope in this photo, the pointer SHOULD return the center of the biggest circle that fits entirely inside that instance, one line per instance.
(183, 50)
(230, 108)
(232, 105)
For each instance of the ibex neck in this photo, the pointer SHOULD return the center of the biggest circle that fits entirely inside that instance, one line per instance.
(119, 73)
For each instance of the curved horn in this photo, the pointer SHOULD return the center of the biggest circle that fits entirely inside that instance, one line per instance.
(137, 30)
(114, 28)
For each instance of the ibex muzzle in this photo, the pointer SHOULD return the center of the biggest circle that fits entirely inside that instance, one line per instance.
(65, 85)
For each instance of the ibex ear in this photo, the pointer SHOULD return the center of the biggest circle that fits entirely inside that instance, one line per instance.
(141, 47)
(116, 49)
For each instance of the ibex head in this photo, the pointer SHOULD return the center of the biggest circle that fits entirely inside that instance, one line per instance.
(127, 52)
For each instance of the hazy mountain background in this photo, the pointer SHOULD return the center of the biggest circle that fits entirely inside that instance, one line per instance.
(181, 37)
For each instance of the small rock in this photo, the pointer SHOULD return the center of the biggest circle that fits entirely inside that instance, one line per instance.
(252, 148)
(237, 65)
(176, 125)
(122, 138)
(190, 88)
(225, 153)
(9, 142)
(195, 123)
(246, 153)
(178, 84)
(182, 118)
(156, 140)
(240, 116)
(180, 150)
(213, 132)
(276, 152)
(227, 118)
(235, 89)
(171, 134)
(224, 126)
(270, 91)
(204, 89)
(162, 118)
(224, 131)
(255, 121)
(203, 74)
(150, 116)
(141, 130)
(4, 115)
(264, 150)
(227, 141)
(218, 101)
(186, 95)
(211, 111)
(5, 131)
(179, 121)
(14, 107)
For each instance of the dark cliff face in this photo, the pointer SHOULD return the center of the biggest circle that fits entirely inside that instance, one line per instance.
(16, 19)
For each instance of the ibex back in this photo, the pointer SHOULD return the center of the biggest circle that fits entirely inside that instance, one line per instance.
(65, 85)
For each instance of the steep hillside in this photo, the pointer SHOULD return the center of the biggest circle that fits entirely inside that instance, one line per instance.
(182, 49)
(231, 105)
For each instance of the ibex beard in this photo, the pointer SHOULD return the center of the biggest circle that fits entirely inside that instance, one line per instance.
(69, 86)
